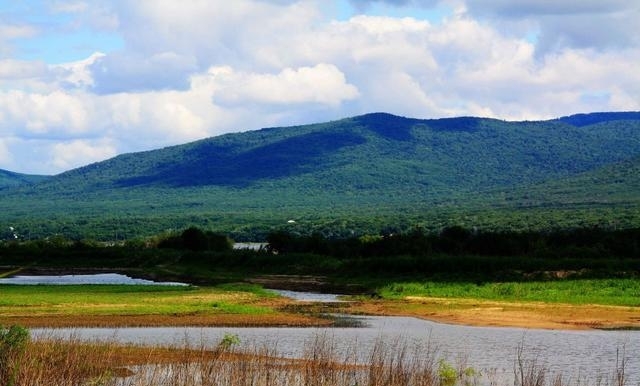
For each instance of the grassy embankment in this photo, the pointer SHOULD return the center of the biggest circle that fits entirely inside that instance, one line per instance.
(613, 292)
(121, 305)
(567, 304)
(557, 304)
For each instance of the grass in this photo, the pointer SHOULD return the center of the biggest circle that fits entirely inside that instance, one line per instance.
(612, 292)
(87, 301)
(59, 362)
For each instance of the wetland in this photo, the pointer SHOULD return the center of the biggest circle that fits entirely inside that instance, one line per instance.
(495, 315)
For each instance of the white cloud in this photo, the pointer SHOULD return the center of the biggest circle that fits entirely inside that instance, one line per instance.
(133, 73)
(55, 114)
(16, 31)
(69, 154)
(526, 8)
(11, 69)
(78, 74)
(198, 68)
(566, 24)
(69, 6)
(323, 83)
(10, 32)
(5, 154)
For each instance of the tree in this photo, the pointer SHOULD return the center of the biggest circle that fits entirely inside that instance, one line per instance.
(194, 239)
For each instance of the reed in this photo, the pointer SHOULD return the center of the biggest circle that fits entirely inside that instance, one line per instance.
(69, 362)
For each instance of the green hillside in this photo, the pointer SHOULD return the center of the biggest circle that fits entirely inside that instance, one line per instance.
(353, 175)
(10, 179)
(615, 184)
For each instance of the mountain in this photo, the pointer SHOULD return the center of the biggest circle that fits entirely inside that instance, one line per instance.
(615, 184)
(10, 179)
(351, 175)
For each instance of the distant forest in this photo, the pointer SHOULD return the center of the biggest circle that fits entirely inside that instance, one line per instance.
(376, 173)
(452, 254)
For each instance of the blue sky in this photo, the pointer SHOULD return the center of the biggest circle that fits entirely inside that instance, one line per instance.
(57, 39)
(84, 80)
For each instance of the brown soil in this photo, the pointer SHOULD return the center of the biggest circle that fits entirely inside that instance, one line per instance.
(456, 311)
(221, 320)
(290, 313)
(505, 314)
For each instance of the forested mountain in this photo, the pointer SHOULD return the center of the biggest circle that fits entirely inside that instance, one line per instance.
(10, 179)
(615, 184)
(369, 171)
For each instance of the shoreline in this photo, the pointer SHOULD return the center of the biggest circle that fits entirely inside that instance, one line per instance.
(527, 315)
(292, 313)
(469, 312)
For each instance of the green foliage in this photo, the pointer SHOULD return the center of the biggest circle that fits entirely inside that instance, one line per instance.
(581, 243)
(228, 341)
(195, 239)
(623, 292)
(350, 178)
(13, 341)
(447, 374)
(9, 179)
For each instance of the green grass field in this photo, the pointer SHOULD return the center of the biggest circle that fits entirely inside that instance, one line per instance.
(616, 292)
(130, 300)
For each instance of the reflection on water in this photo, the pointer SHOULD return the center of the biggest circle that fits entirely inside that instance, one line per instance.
(584, 354)
(308, 296)
(101, 278)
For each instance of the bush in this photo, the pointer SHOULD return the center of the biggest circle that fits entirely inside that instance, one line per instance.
(195, 239)
(13, 341)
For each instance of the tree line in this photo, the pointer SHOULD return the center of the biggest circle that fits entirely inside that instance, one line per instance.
(574, 243)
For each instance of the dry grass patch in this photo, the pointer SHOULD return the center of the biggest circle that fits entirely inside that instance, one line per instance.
(504, 314)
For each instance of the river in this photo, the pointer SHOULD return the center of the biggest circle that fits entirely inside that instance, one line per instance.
(492, 350)
(575, 354)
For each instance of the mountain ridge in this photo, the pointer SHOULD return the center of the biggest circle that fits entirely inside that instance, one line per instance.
(374, 165)
(9, 179)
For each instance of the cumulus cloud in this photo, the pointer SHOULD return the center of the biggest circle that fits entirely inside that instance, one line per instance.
(567, 24)
(423, 3)
(16, 31)
(323, 83)
(193, 69)
(5, 155)
(11, 69)
(11, 31)
(134, 72)
(526, 8)
(56, 114)
(67, 154)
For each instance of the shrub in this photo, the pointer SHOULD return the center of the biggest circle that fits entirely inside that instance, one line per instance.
(13, 341)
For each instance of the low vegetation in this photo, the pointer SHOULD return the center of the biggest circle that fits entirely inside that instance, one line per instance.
(618, 292)
(353, 176)
(127, 305)
(61, 362)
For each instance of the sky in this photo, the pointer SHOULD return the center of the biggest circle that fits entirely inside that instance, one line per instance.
(85, 80)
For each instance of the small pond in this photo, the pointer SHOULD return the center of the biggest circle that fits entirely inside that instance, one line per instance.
(101, 278)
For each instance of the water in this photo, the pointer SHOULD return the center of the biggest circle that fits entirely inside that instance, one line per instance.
(492, 350)
(102, 278)
(308, 296)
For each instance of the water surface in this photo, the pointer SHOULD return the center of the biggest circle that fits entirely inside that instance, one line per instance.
(577, 354)
(101, 278)
(308, 296)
